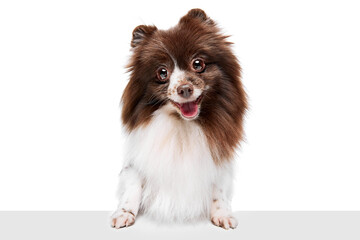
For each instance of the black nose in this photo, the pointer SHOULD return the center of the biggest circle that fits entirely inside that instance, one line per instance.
(185, 90)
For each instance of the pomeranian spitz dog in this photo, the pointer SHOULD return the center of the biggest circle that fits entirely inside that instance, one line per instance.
(183, 111)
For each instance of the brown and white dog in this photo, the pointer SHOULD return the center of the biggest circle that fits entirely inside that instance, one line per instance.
(183, 110)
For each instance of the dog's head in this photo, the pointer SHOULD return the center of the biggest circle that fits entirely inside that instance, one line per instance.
(189, 67)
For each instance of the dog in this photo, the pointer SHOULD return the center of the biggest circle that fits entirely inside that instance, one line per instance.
(183, 111)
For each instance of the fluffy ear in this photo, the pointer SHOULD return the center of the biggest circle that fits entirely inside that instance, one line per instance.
(198, 14)
(140, 33)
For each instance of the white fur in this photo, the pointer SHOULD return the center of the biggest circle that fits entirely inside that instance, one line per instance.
(172, 160)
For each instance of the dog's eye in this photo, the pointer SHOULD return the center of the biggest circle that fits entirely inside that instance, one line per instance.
(198, 65)
(162, 74)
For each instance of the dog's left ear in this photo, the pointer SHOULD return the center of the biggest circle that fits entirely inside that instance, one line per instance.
(140, 33)
(197, 14)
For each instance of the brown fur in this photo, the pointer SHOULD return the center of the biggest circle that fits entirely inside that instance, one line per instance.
(224, 103)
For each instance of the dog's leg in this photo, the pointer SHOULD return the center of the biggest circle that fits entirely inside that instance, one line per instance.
(129, 198)
(221, 214)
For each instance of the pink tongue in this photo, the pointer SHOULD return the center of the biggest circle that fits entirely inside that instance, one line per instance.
(189, 109)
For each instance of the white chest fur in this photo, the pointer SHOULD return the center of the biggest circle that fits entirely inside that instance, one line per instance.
(173, 158)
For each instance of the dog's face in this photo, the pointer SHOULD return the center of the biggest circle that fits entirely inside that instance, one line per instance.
(179, 71)
(190, 68)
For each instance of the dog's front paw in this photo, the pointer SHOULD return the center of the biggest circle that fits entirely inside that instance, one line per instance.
(224, 219)
(122, 219)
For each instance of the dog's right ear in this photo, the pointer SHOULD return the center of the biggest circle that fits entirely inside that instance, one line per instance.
(140, 33)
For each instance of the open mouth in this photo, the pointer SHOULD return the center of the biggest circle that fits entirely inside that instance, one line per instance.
(189, 110)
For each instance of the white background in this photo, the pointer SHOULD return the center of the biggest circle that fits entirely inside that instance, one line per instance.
(62, 74)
